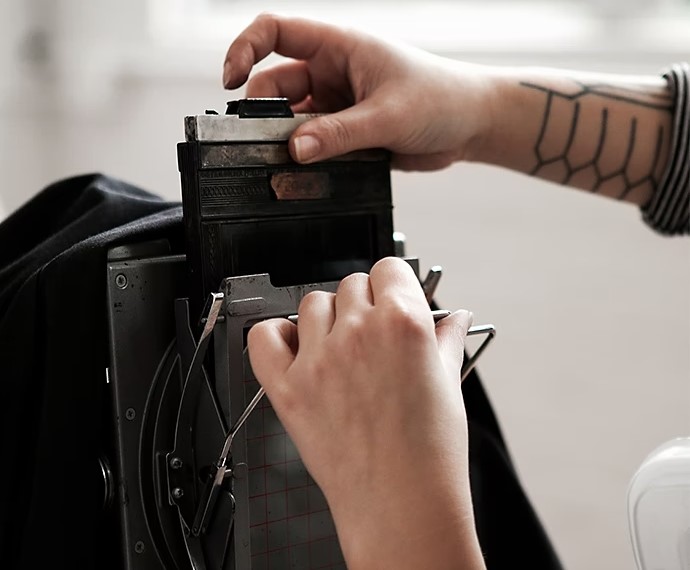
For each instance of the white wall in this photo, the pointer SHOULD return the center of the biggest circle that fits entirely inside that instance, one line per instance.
(591, 366)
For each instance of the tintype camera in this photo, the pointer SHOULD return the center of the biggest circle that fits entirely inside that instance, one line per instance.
(204, 475)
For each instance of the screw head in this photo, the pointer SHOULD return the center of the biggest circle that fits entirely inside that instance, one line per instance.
(240, 471)
(139, 547)
(121, 280)
(130, 414)
(177, 493)
(176, 463)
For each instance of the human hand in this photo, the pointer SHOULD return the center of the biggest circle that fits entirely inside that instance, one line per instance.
(427, 110)
(369, 391)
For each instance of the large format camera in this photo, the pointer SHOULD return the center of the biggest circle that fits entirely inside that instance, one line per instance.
(203, 475)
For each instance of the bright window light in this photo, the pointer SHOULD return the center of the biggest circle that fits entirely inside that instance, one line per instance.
(441, 25)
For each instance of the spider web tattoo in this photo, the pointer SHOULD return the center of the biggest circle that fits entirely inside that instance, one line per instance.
(592, 163)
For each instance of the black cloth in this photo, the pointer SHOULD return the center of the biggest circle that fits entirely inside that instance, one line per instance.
(668, 211)
(53, 355)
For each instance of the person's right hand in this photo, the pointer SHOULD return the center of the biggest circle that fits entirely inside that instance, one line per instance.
(427, 110)
(369, 390)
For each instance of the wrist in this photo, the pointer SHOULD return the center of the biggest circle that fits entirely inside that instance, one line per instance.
(447, 547)
(504, 120)
(485, 93)
(421, 529)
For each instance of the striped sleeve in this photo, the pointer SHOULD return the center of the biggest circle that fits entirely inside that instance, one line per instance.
(668, 212)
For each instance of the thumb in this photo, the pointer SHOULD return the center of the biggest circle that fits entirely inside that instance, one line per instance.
(357, 127)
(272, 346)
(450, 335)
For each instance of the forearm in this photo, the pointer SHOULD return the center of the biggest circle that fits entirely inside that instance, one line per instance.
(606, 134)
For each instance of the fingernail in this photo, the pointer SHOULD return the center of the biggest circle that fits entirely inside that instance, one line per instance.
(226, 73)
(306, 148)
(467, 316)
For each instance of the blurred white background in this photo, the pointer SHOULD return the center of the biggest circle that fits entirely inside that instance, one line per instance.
(591, 368)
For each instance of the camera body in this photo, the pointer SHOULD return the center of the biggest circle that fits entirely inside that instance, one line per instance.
(261, 232)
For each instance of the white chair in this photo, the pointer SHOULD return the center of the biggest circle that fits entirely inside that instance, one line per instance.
(659, 508)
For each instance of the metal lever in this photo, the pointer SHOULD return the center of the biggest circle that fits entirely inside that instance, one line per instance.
(212, 488)
(431, 282)
(201, 348)
(193, 547)
(469, 364)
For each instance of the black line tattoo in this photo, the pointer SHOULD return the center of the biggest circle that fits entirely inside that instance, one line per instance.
(601, 177)
(573, 126)
(627, 94)
(636, 96)
(573, 170)
(647, 178)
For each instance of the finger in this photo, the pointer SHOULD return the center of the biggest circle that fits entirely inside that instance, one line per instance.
(272, 347)
(450, 335)
(324, 105)
(353, 295)
(365, 125)
(294, 81)
(306, 106)
(292, 37)
(316, 316)
(289, 80)
(393, 281)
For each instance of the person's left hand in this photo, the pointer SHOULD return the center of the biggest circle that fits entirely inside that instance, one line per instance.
(427, 110)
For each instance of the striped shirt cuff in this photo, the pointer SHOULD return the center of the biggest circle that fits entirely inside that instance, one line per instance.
(668, 212)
